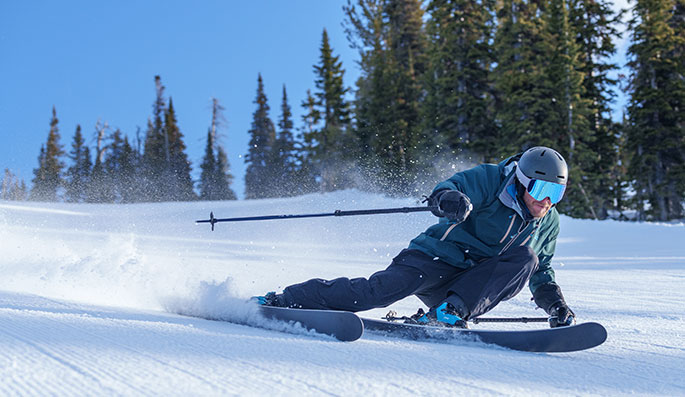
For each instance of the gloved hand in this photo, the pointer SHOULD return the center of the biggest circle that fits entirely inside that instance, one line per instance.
(561, 316)
(451, 204)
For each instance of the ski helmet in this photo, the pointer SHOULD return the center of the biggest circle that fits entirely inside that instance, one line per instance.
(544, 164)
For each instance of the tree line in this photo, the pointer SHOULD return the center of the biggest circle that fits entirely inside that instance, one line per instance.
(154, 168)
(443, 83)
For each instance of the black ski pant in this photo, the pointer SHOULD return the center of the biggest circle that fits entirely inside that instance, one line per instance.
(478, 288)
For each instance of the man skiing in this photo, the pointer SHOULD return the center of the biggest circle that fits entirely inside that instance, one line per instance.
(497, 230)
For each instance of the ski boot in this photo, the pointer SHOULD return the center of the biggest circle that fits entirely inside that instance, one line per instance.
(270, 299)
(444, 315)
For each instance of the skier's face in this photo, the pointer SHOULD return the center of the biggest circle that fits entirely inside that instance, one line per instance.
(537, 208)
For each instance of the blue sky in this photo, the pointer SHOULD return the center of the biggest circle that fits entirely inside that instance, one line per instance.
(96, 60)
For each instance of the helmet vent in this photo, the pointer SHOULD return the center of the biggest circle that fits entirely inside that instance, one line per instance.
(540, 172)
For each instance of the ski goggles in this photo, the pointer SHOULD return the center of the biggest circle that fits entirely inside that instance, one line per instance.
(539, 189)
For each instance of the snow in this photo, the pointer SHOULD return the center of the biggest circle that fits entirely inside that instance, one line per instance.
(90, 296)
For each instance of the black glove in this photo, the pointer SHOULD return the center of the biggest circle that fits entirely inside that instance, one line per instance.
(451, 204)
(561, 316)
(549, 297)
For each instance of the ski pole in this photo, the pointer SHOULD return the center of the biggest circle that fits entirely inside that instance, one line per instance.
(509, 320)
(212, 220)
(392, 316)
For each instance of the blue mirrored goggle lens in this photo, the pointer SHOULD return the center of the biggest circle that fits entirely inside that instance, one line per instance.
(539, 190)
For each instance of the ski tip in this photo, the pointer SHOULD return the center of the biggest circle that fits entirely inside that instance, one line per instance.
(599, 331)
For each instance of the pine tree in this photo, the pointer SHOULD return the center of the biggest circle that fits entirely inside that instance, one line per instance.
(113, 168)
(156, 156)
(128, 173)
(566, 126)
(595, 26)
(180, 184)
(304, 149)
(39, 176)
(21, 192)
(330, 142)
(78, 174)
(209, 171)
(656, 133)
(285, 166)
(216, 177)
(99, 189)
(138, 190)
(259, 181)
(365, 29)
(7, 181)
(48, 176)
(458, 108)
(224, 177)
(391, 40)
(523, 99)
(12, 187)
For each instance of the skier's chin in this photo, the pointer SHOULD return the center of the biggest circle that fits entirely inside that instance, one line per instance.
(540, 212)
(537, 209)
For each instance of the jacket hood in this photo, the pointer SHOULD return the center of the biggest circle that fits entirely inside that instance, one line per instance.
(507, 190)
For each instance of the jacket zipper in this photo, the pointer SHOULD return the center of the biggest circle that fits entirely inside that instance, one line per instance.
(513, 219)
(449, 229)
(524, 226)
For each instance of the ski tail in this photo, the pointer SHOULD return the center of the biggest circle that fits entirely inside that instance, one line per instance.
(342, 325)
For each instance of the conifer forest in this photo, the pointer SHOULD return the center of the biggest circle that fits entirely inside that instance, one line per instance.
(439, 80)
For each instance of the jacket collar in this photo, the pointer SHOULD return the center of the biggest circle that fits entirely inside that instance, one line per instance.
(507, 195)
(507, 192)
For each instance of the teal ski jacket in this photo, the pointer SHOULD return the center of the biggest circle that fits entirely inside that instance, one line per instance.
(496, 223)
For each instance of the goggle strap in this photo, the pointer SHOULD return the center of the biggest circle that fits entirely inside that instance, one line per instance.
(525, 181)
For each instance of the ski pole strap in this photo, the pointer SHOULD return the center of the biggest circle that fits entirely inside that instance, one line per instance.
(212, 220)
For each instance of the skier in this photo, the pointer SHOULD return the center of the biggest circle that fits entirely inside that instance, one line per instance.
(498, 229)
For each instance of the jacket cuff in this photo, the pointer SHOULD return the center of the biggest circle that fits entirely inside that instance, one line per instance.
(434, 201)
(548, 295)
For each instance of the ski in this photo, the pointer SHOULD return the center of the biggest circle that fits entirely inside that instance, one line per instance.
(550, 340)
(344, 326)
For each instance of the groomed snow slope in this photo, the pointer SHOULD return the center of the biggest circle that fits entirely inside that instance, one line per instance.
(89, 296)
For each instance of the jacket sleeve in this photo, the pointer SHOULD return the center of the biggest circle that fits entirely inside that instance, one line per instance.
(542, 284)
(479, 183)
